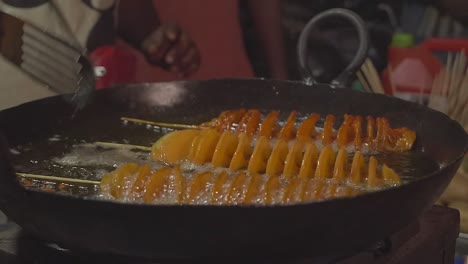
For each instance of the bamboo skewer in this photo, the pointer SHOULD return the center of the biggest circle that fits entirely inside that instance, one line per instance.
(390, 76)
(456, 74)
(118, 145)
(462, 80)
(463, 97)
(457, 88)
(55, 178)
(375, 76)
(458, 79)
(364, 83)
(450, 89)
(369, 78)
(72, 180)
(160, 124)
(446, 75)
(437, 98)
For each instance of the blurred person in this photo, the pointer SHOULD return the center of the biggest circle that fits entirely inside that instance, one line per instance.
(95, 26)
(215, 27)
(456, 8)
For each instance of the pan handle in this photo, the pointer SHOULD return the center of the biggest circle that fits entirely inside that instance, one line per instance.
(343, 79)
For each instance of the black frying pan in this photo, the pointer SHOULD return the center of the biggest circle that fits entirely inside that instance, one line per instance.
(317, 229)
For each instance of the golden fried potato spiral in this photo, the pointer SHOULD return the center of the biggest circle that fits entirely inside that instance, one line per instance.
(319, 176)
(262, 155)
(377, 137)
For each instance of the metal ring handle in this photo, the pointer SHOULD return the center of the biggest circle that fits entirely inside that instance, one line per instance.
(343, 79)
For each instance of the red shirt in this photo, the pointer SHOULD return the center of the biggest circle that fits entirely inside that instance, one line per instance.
(215, 28)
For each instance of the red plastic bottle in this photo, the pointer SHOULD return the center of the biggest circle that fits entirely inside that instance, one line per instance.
(413, 69)
(120, 65)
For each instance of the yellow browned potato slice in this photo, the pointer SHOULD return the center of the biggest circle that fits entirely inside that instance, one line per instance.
(225, 149)
(307, 128)
(275, 163)
(122, 175)
(199, 184)
(269, 125)
(292, 163)
(390, 176)
(288, 130)
(357, 168)
(260, 155)
(179, 184)
(175, 146)
(271, 186)
(307, 169)
(218, 190)
(291, 188)
(204, 146)
(236, 189)
(242, 153)
(325, 163)
(156, 184)
(372, 178)
(327, 133)
(254, 188)
(143, 174)
(339, 172)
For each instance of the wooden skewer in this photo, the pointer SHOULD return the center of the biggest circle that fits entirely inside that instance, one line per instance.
(371, 73)
(55, 178)
(365, 70)
(436, 98)
(392, 82)
(160, 124)
(457, 70)
(365, 85)
(451, 84)
(377, 77)
(447, 70)
(461, 77)
(452, 79)
(462, 99)
(457, 85)
(452, 74)
(127, 146)
(72, 180)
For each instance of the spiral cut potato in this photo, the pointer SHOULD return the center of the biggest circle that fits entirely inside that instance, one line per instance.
(240, 151)
(377, 136)
(318, 178)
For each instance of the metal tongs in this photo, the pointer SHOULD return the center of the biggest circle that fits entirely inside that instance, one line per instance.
(62, 66)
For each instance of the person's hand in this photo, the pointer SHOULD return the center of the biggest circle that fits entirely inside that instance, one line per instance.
(172, 49)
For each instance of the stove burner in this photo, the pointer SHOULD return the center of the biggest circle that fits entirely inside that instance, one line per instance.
(429, 240)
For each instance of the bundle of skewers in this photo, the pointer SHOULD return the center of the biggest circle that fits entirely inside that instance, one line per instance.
(450, 89)
(369, 77)
(450, 96)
